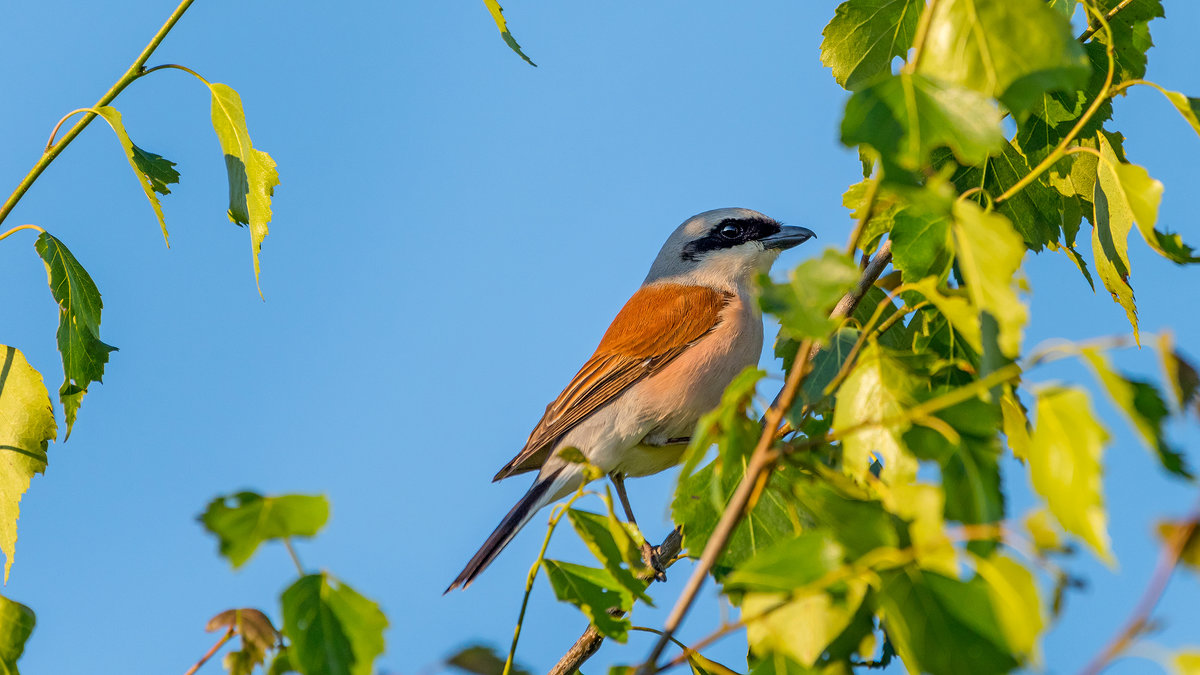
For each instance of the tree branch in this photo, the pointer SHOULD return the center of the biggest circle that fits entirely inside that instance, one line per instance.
(762, 460)
(1140, 617)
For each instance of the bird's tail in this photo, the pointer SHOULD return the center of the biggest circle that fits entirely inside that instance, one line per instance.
(545, 490)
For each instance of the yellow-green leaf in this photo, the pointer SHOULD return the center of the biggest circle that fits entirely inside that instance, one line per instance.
(26, 428)
(878, 389)
(16, 625)
(498, 16)
(1187, 661)
(1064, 462)
(1143, 407)
(1014, 594)
(153, 171)
(865, 35)
(1187, 106)
(1013, 50)
(806, 623)
(251, 172)
(245, 520)
(989, 254)
(1042, 532)
(957, 310)
(1181, 375)
(1112, 221)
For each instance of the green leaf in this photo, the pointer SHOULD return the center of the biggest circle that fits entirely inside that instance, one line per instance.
(879, 389)
(1064, 462)
(1132, 193)
(251, 172)
(788, 564)
(26, 428)
(905, 117)
(482, 660)
(1012, 50)
(244, 520)
(1143, 406)
(594, 592)
(989, 254)
(79, 305)
(957, 309)
(701, 498)
(941, 625)
(865, 35)
(837, 504)
(1014, 598)
(332, 629)
(498, 16)
(804, 626)
(153, 172)
(16, 625)
(804, 302)
(613, 545)
(921, 245)
(282, 663)
(1181, 375)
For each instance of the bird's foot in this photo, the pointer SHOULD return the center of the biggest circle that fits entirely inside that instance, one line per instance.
(650, 557)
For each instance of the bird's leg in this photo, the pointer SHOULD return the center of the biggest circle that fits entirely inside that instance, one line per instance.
(648, 555)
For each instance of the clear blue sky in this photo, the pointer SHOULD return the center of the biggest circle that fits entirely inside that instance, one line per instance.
(453, 232)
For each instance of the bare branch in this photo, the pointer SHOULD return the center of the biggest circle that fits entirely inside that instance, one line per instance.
(1140, 618)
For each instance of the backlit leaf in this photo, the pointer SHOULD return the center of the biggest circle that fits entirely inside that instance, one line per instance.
(878, 390)
(787, 564)
(921, 244)
(1014, 595)
(1132, 193)
(804, 626)
(332, 629)
(153, 172)
(905, 117)
(1013, 50)
(1189, 555)
(79, 305)
(16, 625)
(498, 16)
(594, 592)
(1142, 405)
(1181, 375)
(1187, 106)
(26, 428)
(865, 35)
(989, 254)
(1187, 661)
(1065, 451)
(244, 520)
(251, 172)
(957, 310)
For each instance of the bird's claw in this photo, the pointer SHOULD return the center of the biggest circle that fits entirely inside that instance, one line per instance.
(650, 557)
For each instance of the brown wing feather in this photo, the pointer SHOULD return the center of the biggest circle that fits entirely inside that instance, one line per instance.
(657, 325)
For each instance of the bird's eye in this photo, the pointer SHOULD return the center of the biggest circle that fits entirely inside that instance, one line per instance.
(731, 231)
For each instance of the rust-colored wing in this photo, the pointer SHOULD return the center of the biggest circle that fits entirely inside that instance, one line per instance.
(658, 324)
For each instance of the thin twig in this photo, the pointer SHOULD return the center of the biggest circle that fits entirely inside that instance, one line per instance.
(212, 650)
(762, 460)
(132, 73)
(1154, 589)
(287, 541)
(1087, 34)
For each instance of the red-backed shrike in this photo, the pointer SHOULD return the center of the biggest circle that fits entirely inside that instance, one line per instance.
(665, 361)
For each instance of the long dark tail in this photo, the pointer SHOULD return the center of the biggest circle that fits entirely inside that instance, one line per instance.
(541, 493)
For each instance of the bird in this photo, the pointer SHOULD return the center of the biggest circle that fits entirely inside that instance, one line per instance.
(665, 361)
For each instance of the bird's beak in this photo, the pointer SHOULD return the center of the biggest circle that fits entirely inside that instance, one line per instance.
(787, 237)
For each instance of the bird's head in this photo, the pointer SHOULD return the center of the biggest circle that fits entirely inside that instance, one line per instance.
(723, 248)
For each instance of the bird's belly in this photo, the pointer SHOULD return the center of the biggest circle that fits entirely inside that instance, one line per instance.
(644, 460)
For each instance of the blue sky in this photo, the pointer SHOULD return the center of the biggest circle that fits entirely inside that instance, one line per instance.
(453, 232)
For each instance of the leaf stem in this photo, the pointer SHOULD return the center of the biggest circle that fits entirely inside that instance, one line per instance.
(1060, 151)
(555, 515)
(1087, 34)
(921, 34)
(132, 73)
(212, 650)
(22, 227)
(50, 141)
(287, 542)
(176, 66)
